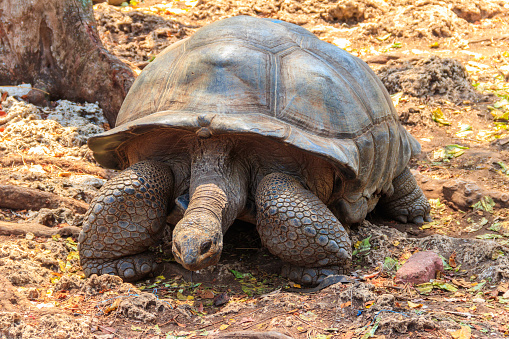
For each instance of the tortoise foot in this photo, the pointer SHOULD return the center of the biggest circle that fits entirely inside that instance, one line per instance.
(313, 275)
(130, 268)
(299, 228)
(407, 203)
(124, 220)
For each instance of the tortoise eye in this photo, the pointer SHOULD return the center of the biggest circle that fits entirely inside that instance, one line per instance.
(205, 247)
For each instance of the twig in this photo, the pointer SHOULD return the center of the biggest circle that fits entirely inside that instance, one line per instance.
(222, 320)
(263, 320)
(463, 314)
(112, 332)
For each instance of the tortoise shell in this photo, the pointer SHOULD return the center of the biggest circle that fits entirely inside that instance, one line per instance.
(248, 75)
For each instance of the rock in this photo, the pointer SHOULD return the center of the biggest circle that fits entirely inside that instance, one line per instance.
(429, 76)
(144, 307)
(420, 268)
(115, 2)
(88, 180)
(463, 194)
(95, 284)
(68, 283)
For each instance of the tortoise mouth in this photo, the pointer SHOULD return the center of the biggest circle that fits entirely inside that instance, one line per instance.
(195, 249)
(200, 263)
(191, 260)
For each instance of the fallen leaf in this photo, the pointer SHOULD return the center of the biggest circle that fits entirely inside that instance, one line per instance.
(207, 294)
(452, 260)
(445, 286)
(414, 305)
(439, 117)
(223, 327)
(180, 296)
(425, 288)
(486, 204)
(463, 333)
(384, 37)
(113, 306)
(369, 304)
(347, 304)
(462, 283)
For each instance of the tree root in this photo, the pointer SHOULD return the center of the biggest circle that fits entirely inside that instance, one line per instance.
(8, 160)
(24, 198)
(10, 228)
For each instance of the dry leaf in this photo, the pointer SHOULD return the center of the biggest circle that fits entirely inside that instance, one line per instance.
(452, 260)
(464, 333)
(368, 304)
(348, 303)
(462, 283)
(223, 327)
(414, 305)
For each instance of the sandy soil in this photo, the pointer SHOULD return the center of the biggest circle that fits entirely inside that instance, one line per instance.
(446, 64)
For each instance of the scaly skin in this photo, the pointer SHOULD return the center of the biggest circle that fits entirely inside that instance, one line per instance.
(218, 191)
(297, 227)
(124, 220)
(407, 203)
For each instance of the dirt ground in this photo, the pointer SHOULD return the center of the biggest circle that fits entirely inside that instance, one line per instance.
(446, 65)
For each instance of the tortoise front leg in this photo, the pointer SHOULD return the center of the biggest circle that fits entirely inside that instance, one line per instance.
(407, 203)
(299, 228)
(124, 220)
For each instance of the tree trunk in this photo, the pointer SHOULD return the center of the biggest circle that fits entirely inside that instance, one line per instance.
(54, 45)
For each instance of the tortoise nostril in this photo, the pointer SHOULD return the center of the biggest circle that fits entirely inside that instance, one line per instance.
(205, 247)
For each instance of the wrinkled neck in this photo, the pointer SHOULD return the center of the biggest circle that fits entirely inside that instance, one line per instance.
(218, 185)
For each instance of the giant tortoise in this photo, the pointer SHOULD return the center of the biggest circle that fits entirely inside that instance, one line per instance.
(254, 119)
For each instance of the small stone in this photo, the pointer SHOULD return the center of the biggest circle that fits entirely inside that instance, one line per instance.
(420, 268)
(478, 300)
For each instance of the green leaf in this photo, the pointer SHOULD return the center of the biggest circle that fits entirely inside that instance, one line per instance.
(496, 227)
(445, 286)
(486, 204)
(362, 246)
(237, 274)
(390, 264)
(489, 236)
(439, 117)
(454, 151)
(385, 37)
(447, 267)
(425, 288)
(477, 287)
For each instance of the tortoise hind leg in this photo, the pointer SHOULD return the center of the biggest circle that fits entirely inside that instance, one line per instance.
(407, 203)
(297, 227)
(124, 220)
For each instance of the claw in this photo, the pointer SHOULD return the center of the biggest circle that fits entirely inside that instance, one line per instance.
(428, 218)
(418, 220)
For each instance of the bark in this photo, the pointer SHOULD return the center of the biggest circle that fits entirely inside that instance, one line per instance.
(24, 198)
(7, 160)
(10, 228)
(54, 45)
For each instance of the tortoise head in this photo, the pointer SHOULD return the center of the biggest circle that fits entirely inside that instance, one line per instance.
(197, 241)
